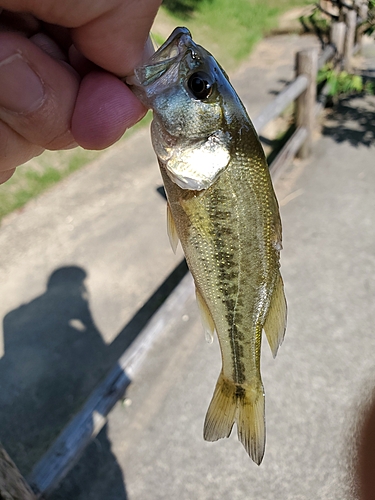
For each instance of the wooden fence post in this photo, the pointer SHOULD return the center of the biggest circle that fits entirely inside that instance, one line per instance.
(12, 485)
(363, 15)
(338, 31)
(363, 11)
(351, 24)
(307, 64)
(362, 8)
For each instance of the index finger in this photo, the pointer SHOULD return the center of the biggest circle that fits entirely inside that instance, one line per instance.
(113, 34)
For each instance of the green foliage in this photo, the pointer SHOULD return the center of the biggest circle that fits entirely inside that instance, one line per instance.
(316, 21)
(342, 83)
(182, 8)
(369, 23)
(157, 39)
(320, 20)
(229, 28)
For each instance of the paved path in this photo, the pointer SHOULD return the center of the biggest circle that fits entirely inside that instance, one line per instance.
(77, 264)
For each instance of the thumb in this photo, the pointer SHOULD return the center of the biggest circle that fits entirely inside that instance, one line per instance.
(37, 93)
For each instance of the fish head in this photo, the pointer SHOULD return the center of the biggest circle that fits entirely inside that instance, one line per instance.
(194, 107)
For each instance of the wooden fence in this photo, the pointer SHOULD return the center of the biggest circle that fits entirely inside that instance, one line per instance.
(68, 447)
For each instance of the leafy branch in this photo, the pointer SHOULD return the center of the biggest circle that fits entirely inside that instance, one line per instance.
(342, 83)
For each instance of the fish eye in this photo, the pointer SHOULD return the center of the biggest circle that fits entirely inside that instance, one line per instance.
(200, 85)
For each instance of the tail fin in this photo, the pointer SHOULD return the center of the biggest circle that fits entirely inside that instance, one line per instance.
(241, 404)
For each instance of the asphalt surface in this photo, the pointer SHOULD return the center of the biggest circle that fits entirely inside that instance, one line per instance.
(78, 263)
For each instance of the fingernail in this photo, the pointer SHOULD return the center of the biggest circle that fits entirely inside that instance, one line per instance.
(21, 90)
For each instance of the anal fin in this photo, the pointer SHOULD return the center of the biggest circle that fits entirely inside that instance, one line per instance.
(207, 321)
(275, 323)
(171, 229)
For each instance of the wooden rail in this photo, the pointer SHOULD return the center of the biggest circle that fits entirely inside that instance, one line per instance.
(281, 101)
(12, 485)
(290, 93)
(68, 447)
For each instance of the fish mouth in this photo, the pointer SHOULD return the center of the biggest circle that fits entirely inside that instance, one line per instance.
(170, 53)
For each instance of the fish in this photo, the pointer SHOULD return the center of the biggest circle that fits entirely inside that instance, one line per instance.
(222, 207)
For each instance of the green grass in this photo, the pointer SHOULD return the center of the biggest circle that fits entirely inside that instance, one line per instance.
(38, 174)
(157, 39)
(229, 28)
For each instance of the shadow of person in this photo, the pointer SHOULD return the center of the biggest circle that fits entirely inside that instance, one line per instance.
(54, 356)
(96, 476)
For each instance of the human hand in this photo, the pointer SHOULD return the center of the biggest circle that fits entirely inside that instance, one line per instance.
(58, 62)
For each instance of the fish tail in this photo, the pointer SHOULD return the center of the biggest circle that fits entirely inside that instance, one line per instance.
(240, 403)
(251, 427)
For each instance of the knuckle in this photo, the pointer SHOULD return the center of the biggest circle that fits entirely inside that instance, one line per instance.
(14, 149)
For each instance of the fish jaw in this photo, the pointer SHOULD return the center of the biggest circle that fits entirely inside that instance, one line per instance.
(169, 54)
(147, 79)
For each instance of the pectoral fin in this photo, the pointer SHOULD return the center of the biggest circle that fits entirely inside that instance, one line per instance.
(207, 321)
(171, 229)
(275, 323)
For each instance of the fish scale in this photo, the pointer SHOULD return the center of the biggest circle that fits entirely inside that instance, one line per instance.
(223, 209)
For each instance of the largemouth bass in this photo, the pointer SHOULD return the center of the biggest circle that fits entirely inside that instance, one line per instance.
(223, 209)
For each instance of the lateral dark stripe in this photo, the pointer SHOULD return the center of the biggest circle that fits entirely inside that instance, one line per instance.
(228, 278)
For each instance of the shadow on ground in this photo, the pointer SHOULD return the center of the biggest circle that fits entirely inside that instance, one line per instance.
(352, 120)
(54, 357)
(96, 476)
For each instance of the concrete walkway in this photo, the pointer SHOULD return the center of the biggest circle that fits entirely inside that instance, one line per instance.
(79, 262)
